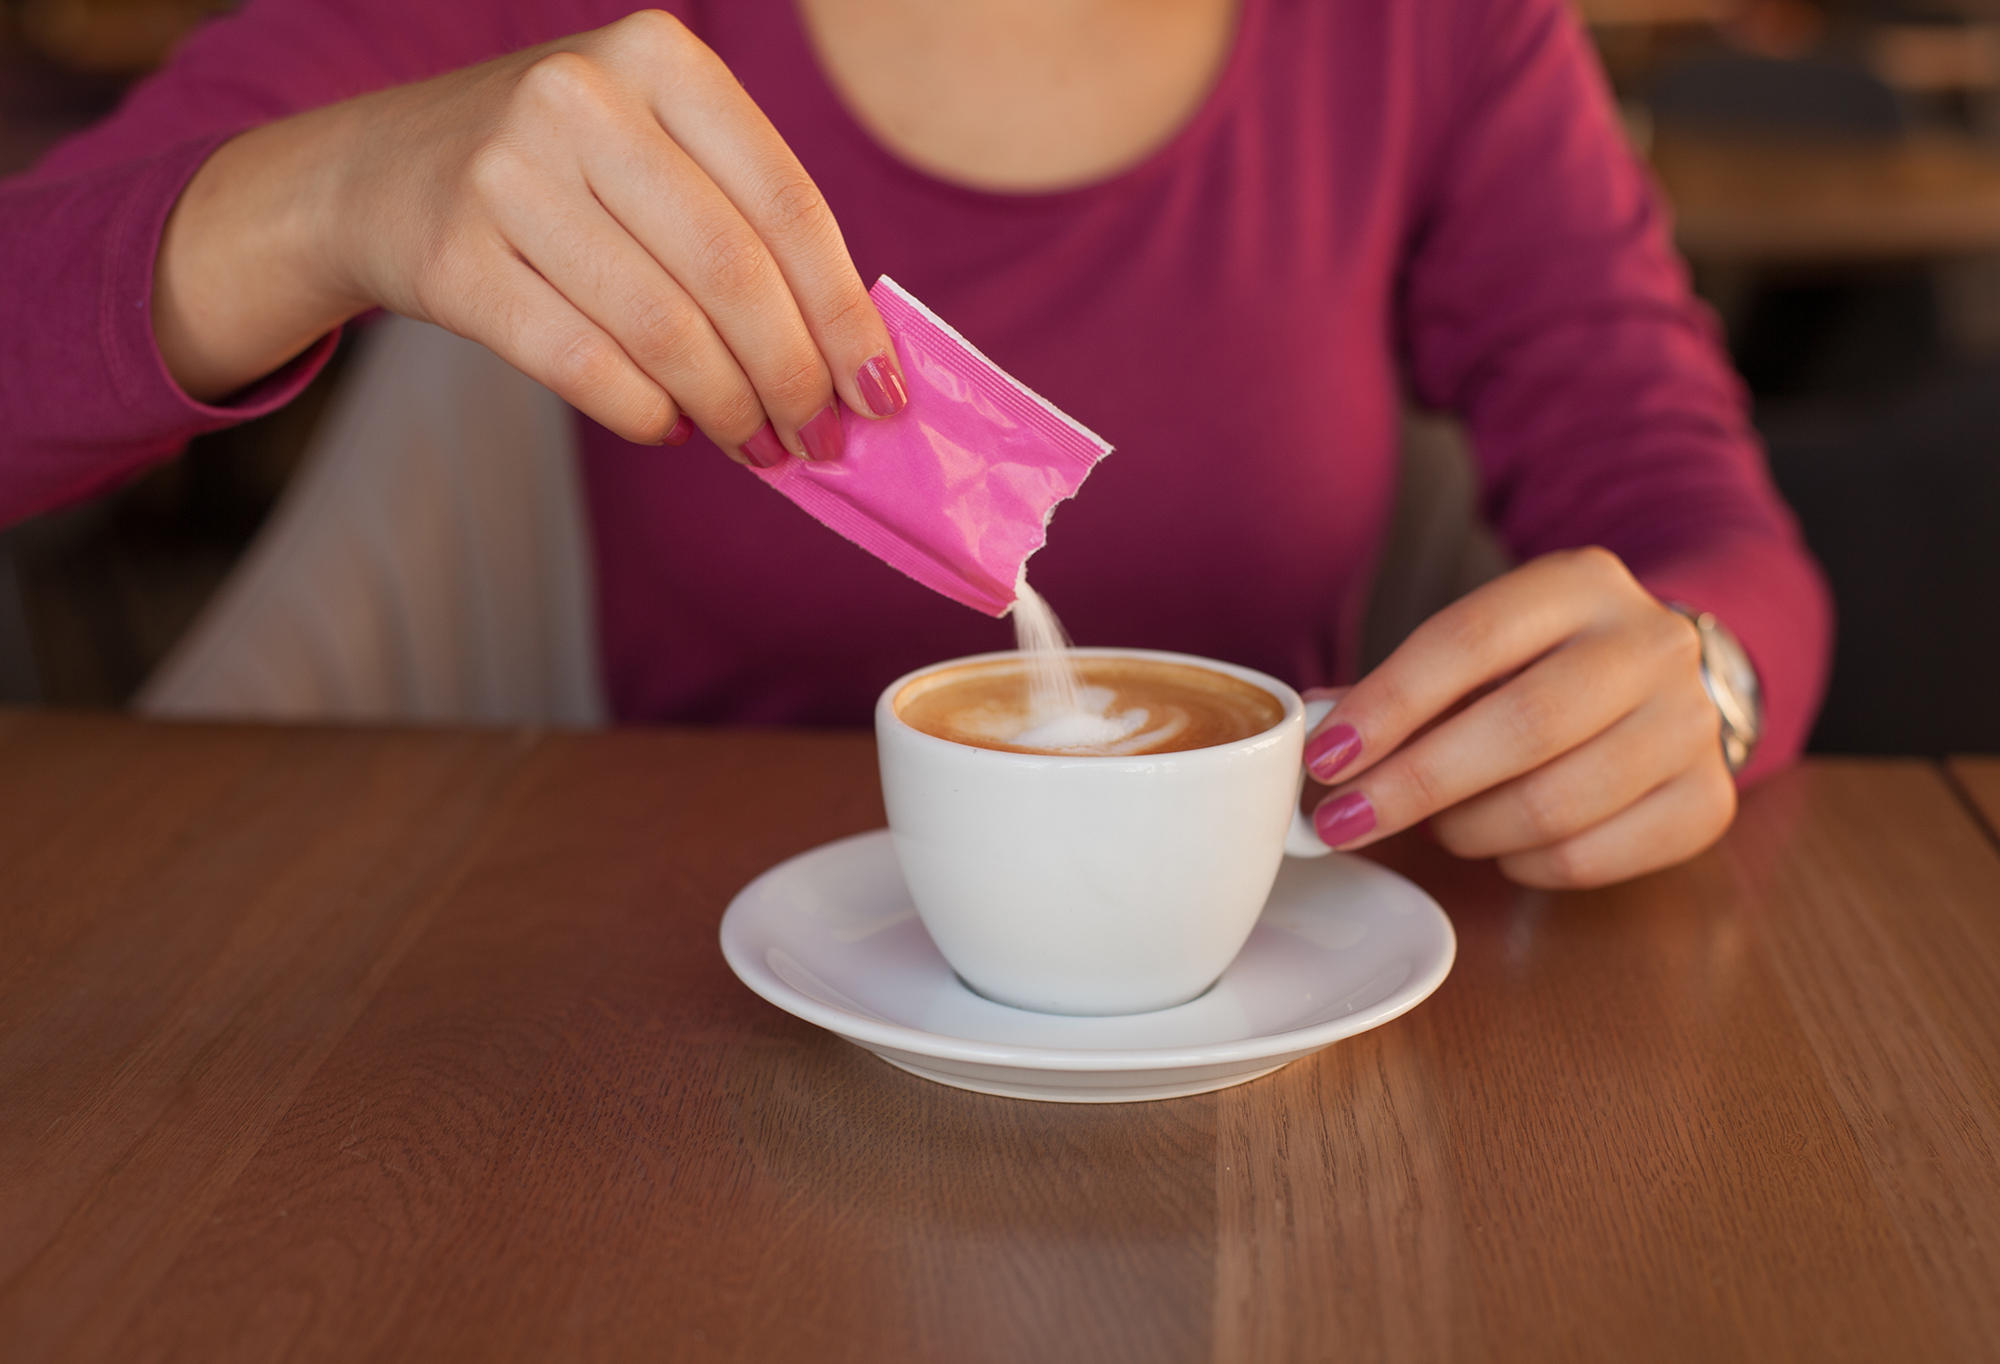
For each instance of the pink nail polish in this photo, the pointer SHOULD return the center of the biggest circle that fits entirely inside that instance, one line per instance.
(1332, 749)
(682, 432)
(823, 436)
(882, 388)
(1342, 819)
(764, 449)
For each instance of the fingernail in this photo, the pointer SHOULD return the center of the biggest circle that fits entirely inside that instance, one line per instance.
(1333, 748)
(764, 449)
(823, 436)
(882, 388)
(1342, 819)
(682, 433)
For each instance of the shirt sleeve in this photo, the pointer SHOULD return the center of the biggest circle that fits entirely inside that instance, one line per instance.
(85, 398)
(1543, 302)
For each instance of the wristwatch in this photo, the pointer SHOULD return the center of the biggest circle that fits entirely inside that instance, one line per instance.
(1731, 680)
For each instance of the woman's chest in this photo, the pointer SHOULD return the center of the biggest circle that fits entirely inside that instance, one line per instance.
(1223, 313)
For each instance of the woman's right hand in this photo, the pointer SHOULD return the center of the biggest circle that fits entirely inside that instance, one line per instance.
(613, 216)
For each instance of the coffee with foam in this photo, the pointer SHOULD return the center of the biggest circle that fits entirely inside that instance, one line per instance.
(1125, 706)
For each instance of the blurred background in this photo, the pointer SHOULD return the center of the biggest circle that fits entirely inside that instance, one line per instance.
(1834, 170)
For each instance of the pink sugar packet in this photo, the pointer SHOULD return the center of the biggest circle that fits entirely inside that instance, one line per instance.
(957, 489)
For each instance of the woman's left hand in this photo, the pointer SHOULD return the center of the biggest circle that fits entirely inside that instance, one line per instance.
(1554, 719)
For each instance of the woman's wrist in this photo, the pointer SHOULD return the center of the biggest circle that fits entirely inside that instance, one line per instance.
(251, 267)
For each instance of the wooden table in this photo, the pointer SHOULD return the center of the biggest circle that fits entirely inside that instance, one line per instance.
(1743, 200)
(346, 1044)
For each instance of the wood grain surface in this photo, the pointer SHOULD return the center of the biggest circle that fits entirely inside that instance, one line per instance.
(346, 1044)
(1979, 779)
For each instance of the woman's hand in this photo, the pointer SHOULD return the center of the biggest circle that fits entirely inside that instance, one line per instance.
(1554, 719)
(611, 214)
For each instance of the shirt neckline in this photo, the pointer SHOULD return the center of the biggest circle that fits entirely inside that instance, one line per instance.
(1214, 106)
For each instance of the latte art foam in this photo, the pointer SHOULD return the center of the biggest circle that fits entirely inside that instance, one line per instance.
(1125, 707)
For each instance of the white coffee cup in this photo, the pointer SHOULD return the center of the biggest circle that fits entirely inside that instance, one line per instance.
(1094, 885)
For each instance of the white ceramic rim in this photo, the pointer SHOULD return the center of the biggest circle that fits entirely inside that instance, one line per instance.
(868, 1031)
(1287, 697)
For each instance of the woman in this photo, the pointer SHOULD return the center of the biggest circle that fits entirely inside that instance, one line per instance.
(1226, 234)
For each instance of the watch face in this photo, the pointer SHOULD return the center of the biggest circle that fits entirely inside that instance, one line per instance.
(1734, 681)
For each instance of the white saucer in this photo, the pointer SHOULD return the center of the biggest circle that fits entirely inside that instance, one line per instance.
(831, 936)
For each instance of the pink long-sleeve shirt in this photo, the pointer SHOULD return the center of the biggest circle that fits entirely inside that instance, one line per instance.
(1376, 201)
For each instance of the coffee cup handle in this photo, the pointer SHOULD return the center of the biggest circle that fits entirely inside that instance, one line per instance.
(1303, 840)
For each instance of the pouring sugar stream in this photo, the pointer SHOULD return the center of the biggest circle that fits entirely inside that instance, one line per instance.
(1064, 712)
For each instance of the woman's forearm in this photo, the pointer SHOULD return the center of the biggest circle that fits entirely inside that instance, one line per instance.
(91, 298)
(541, 204)
(248, 273)
(538, 203)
